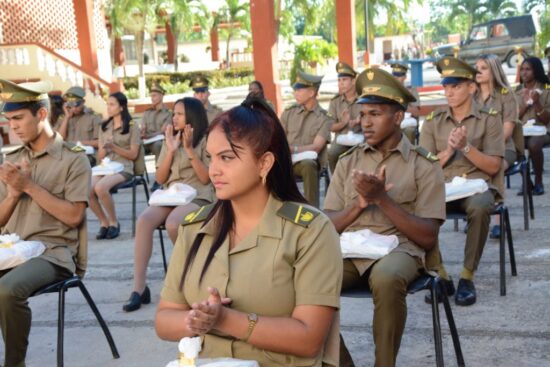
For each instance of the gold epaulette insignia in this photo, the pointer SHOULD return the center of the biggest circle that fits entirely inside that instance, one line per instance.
(504, 91)
(298, 213)
(426, 154)
(198, 215)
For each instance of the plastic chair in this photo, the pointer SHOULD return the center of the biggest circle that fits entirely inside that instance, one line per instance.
(506, 236)
(427, 281)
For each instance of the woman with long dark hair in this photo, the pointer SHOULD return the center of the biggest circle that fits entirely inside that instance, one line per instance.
(260, 249)
(534, 104)
(119, 141)
(182, 159)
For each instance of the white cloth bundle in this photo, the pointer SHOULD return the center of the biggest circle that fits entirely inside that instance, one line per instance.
(15, 252)
(365, 244)
(530, 129)
(107, 167)
(350, 139)
(219, 362)
(153, 139)
(308, 154)
(461, 187)
(176, 194)
(409, 122)
(88, 149)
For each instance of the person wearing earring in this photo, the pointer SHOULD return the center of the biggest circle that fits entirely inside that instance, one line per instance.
(256, 275)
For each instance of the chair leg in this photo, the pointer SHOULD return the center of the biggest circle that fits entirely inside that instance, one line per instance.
(525, 196)
(133, 210)
(502, 254)
(453, 330)
(99, 318)
(510, 243)
(456, 225)
(436, 323)
(507, 182)
(163, 252)
(61, 326)
(530, 193)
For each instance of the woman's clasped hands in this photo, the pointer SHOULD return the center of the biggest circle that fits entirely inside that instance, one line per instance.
(206, 315)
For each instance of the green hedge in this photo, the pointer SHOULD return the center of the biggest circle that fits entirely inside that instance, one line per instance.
(175, 83)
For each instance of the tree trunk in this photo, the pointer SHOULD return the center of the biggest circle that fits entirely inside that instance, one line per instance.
(227, 53)
(176, 59)
(139, 50)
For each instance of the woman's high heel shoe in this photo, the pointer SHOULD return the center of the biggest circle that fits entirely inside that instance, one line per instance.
(136, 300)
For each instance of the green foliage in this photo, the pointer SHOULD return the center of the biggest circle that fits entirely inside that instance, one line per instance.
(176, 83)
(309, 53)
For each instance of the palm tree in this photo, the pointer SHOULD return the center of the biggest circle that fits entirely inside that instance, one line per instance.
(501, 8)
(473, 10)
(117, 30)
(235, 14)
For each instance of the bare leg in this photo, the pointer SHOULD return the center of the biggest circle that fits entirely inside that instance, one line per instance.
(104, 196)
(147, 222)
(176, 217)
(94, 203)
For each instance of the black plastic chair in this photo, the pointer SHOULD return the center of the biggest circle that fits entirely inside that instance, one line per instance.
(506, 236)
(523, 167)
(60, 288)
(423, 282)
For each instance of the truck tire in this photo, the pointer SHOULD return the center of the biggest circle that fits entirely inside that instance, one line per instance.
(512, 59)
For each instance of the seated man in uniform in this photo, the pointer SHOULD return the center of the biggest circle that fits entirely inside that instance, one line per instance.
(390, 187)
(344, 111)
(199, 84)
(44, 189)
(469, 141)
(307, 128)
(399, 71)
(79, 123)
(153, 123)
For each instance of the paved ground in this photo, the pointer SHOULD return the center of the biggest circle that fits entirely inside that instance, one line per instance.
(496, 331)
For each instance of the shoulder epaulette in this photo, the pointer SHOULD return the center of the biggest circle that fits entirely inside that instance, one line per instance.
(546, 86)
(298, 213)
(73, 147)
(433, 114)
(15, 150)
(426, 154)
(132, 123)
(488, 110)
(349, 151)
(198, 215)
(504, 91)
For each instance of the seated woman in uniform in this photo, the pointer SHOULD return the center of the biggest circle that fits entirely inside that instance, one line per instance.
(534, 104)
(495, 92)
(119, 141)
(182, 160)
(257, 274)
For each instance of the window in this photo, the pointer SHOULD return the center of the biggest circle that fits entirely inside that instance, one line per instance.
(499, 30)
(478, 33)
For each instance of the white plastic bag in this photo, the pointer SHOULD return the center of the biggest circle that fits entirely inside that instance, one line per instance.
(219, 362)
(177, 194)
(14, 252)
(88, 149)
(350, 139)
(159, 137)
(530, 129)
(308, 154)
(461, 187)
(365, 244)
(107, 168)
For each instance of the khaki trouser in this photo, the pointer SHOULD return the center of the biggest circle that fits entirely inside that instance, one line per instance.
(478, 210)
(154, 148)
(16, 285)
(334, 153)
(388, 279)
(308, 170)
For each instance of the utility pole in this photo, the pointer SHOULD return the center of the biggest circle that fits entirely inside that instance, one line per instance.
(367, 50)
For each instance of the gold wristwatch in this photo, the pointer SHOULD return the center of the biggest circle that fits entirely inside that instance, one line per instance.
(466, 149)
(252, 320)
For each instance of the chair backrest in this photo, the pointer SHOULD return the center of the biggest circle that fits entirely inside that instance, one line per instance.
(519, 142)
(139, 163)
(81, 258)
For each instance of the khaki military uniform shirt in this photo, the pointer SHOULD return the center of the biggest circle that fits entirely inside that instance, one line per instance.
(153, 120)
(505, 102)
(544, 99)
(484, 131)
(336, 108)
(124, 141)
(212, 112)
(278, 266)
(83, 127)
(64, 173)
(418, 188)
(182, 171)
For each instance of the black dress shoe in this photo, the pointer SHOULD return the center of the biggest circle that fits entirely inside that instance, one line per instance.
(136, 300)
(449, 288)
(495, 232)
(538, 190)
(113, 232)
(101, 233)
(465, 293)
